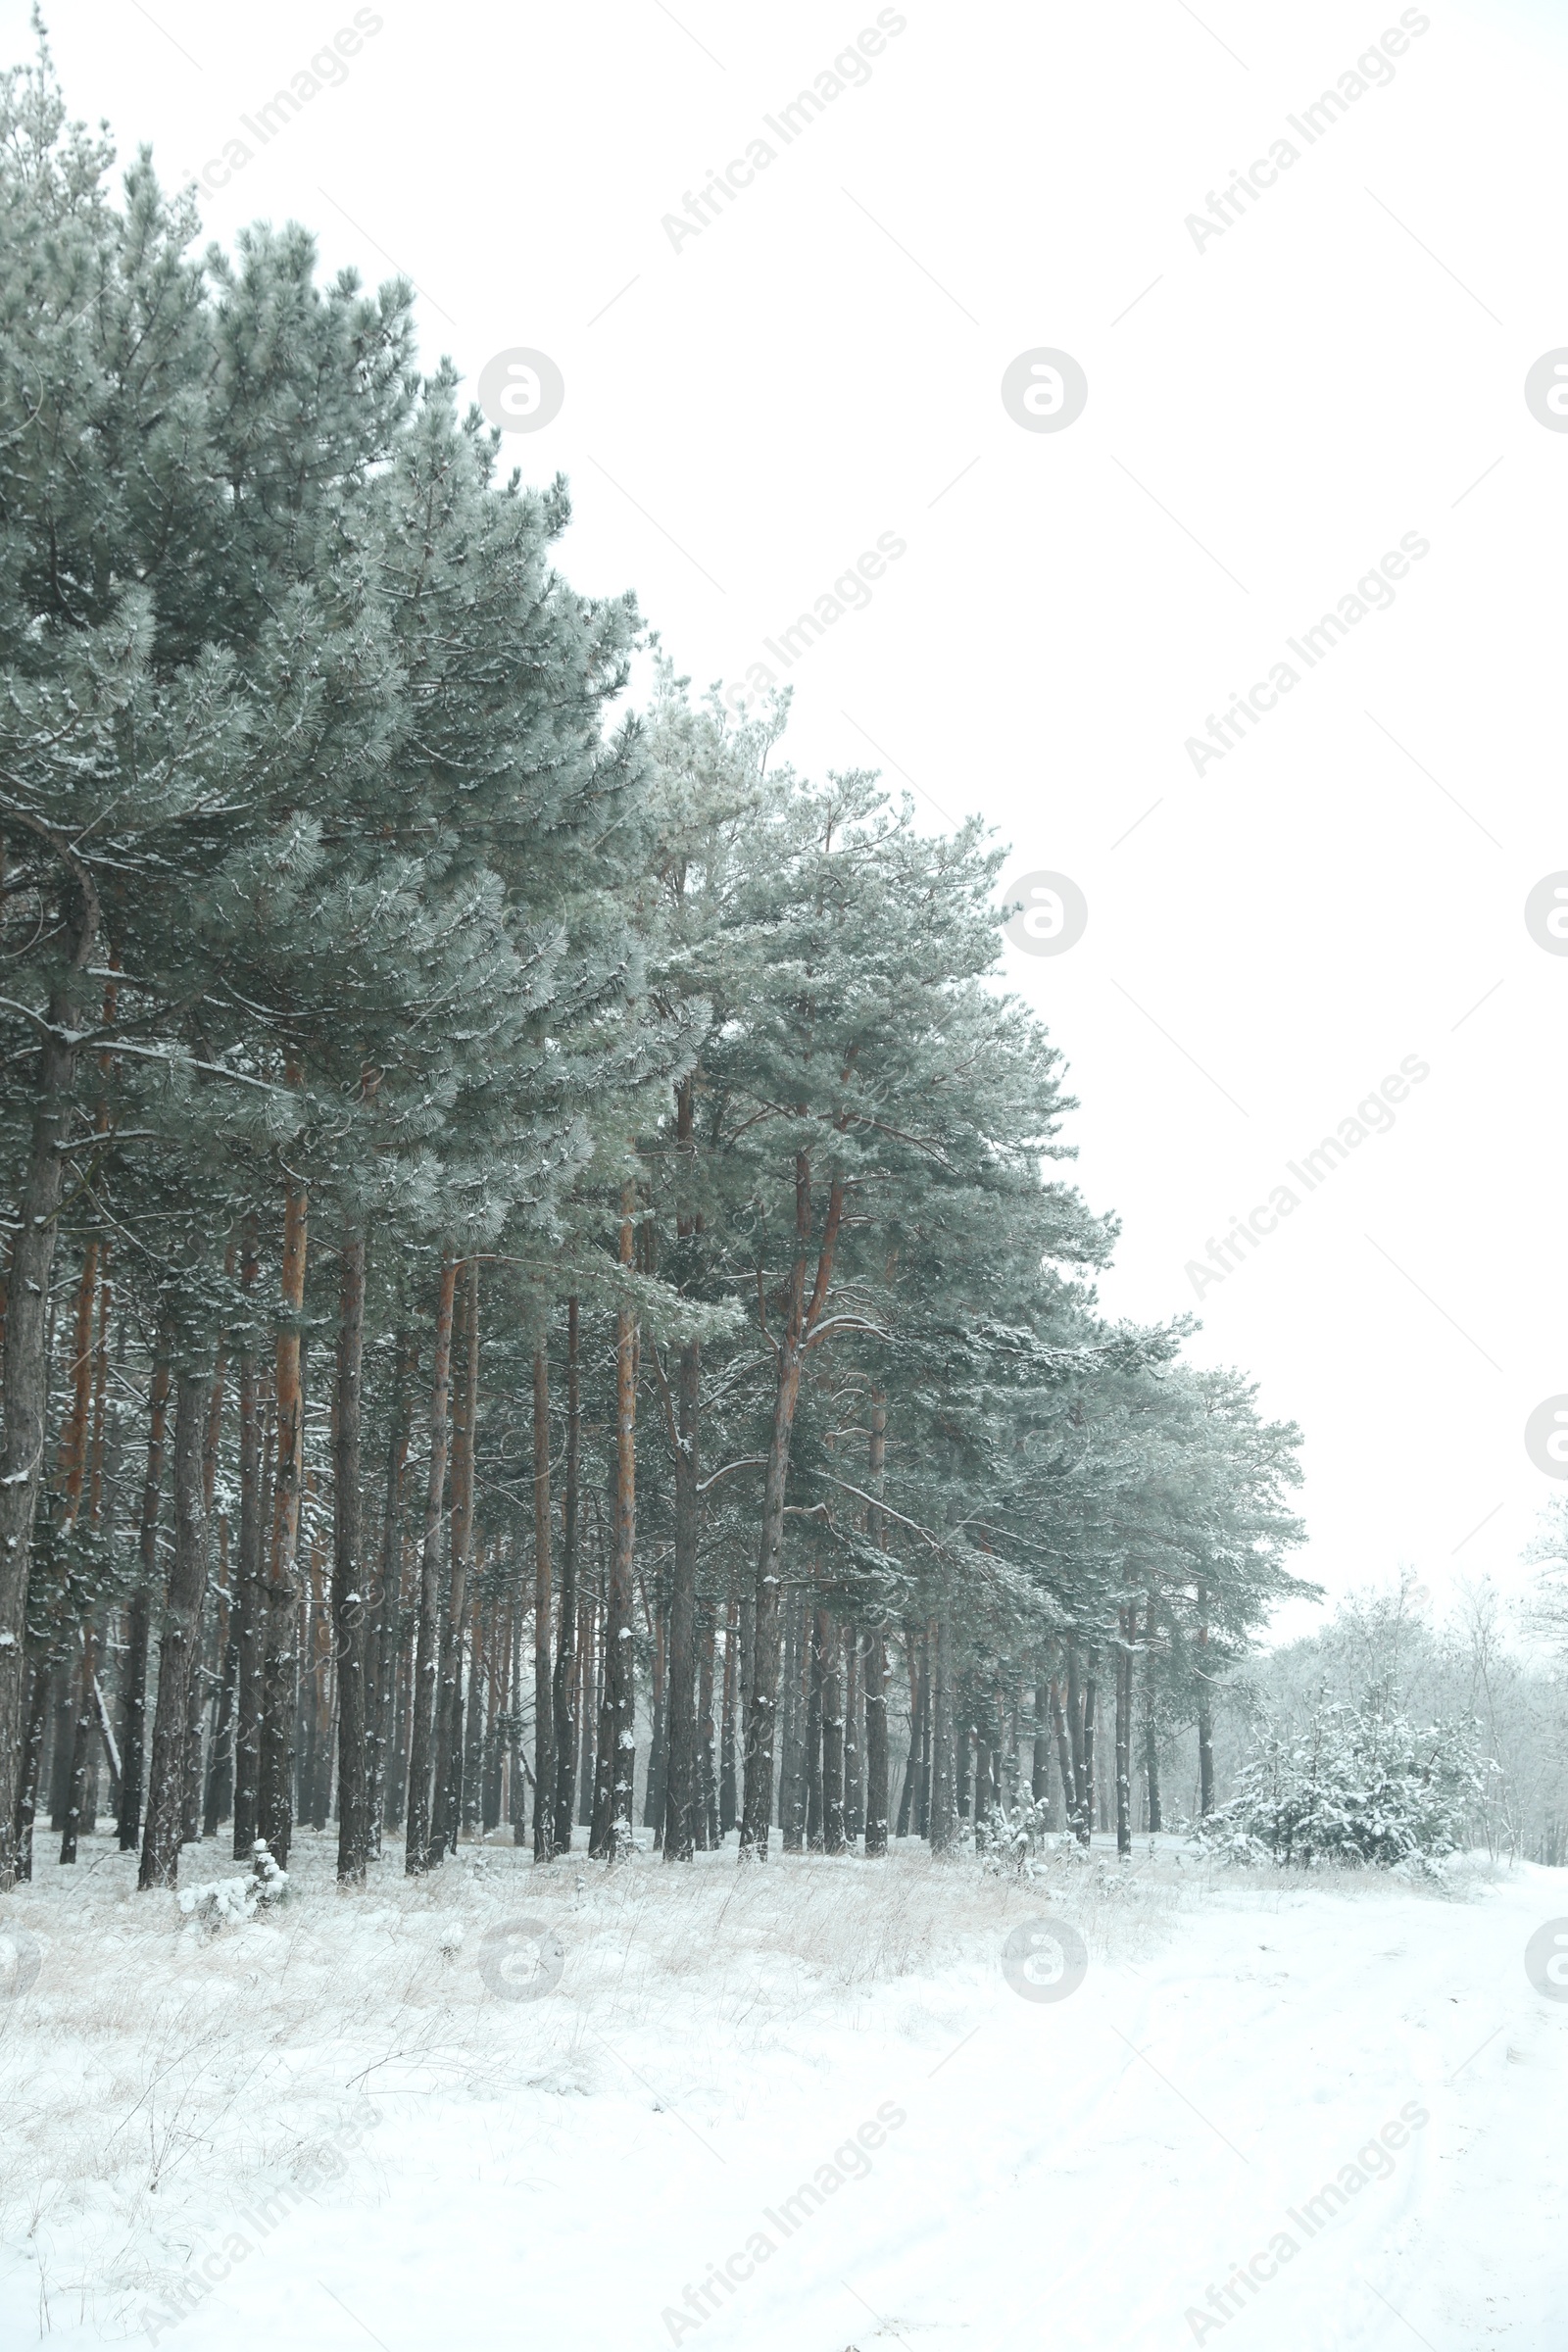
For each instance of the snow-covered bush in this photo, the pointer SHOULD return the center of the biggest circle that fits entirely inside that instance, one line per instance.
(1009, 1841)
(1354, 1785)
(229, 1902)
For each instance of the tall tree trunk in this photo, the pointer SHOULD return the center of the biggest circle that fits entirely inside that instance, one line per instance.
(473, 1738)
(876, 1650)
(829, 1649)
(1069, 1791)
(587, 1705)
(619, 1686)
(73, 1725)
(728, 1791)
(177, 1654)
(221, 1773)
(1078, 1802)
(943, 1793)
(1124, 1735)
(349, 1612)
(389, 1609)
(801, 1320)
(1150, 1739)
(792, 1724)
(1040, 1759)
(35, 1723)
(1087, 1813)
(422, 1692)
(138, 1627)
(544, 1725)
(281, 1594)
(919, 1695)
(446, 1796)
(566, 1678)
(1206, 1719)
(680, 1731)
(854, 1747)
(704, 1822)
(253, 1449)
(657, 1787)
(811, 1661)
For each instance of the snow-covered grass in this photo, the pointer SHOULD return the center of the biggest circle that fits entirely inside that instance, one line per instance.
(339, 2120)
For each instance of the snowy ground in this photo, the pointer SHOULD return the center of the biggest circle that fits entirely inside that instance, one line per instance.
(340, 2124)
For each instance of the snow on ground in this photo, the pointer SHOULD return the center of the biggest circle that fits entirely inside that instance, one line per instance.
(794, 2109)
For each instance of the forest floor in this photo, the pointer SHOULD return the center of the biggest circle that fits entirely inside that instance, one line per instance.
(339, 2122)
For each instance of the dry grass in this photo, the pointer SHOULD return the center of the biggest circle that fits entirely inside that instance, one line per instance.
(155, 2075)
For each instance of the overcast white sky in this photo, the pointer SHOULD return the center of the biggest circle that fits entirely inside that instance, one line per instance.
(1269, 412)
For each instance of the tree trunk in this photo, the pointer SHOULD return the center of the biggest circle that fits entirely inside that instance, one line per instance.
(220, 1771)
(587, 1705)
(1124, 1735)
(139, 1628)
(619, 1687)
(944, 1794)
(680, 1731)
(854, 1739)
(801, 1320)
(829, 1651)
(281, 1594)
(811, 1659)
(1087, 1811)
(35, 1723)
(177, 1654)
(791, 1725)
(1205, 1721)
(705, 1825)
(389, 1612)
(544, 1744)
(1150, 1739)
(446, 1798)
(421, 1696)
(349, 1613)
(253, 1449)
(1040, 1760)
(566, 1677)
(728, 1791)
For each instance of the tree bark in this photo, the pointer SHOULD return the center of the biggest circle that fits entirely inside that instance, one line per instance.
(704, 1830)
(138, 1631)
(177, 1654)
(620, 1687)
(944, 1794)
(829, 1649)
(1040, 1760)
(421, 1696)
(253, 1437)
(349, 1612)
(802, 1318)
(1205, 1720)
(389, 1609)
(680, 1723)
(25, 1380)
(544, 1743)
(1124, 1735)
(728, 1791)
(1088, 1807)
(1150, 1739)
(446, 1796)
(281, 1593)
(566, 1676)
